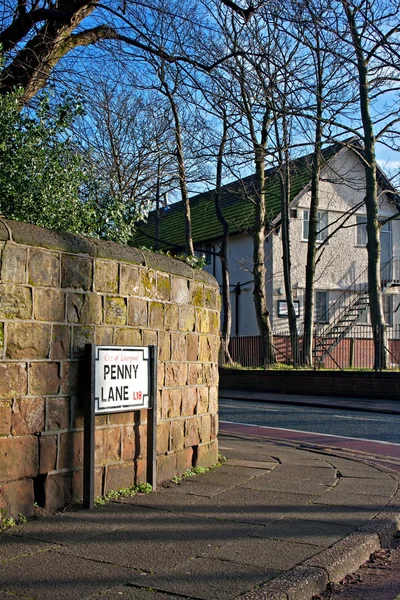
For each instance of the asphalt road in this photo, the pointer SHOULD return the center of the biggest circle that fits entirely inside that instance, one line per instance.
(347, 423)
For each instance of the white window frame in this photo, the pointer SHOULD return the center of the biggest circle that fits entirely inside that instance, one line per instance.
(322, 218)
(361, 231)
(387, 305)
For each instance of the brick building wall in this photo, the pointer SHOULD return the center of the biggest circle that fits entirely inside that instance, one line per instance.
(61, 291)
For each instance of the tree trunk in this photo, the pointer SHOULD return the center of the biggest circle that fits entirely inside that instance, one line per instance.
(223, 255)
(371, 200)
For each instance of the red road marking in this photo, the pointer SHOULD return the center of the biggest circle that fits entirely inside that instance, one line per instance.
(315, 439)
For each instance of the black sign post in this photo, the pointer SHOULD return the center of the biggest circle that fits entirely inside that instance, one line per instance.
(120, 379)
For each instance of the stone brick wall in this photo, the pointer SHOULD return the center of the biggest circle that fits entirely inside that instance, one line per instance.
(57, 293)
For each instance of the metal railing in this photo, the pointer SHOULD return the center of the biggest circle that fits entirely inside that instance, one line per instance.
(354, 352)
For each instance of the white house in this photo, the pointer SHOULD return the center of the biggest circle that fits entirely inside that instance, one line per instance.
(342, 259)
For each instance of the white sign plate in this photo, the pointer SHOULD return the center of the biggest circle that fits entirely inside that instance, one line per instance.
(122, 377)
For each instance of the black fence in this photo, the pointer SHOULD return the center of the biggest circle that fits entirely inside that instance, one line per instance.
(356, 350)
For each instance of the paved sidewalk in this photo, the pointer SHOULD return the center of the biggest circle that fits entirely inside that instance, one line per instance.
(274, 522)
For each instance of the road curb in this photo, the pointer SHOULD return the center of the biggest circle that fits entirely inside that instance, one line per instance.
(332, 565)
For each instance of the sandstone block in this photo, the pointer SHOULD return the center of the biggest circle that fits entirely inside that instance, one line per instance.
(164, 346)
(147, 283)
(17, 497)
(44, 378)
(163, 286)
(160, 374)
(208, 374)
(137, 312)
(43, 268)
(197, 293)
(28, 416)
(156, 315)
(11, 451)
(1, 339)
(14, 380)
(106, 276)
(175, 374)
(214, 322)
(214, 348)
(77, 483)
(205, 428)
(187, 318)
(48, 305)
(119, 476)
(76, 272)
(163, 430)
(58, 490)
(192, 432)
(108, 445)
(163, 290)
(149, 337)
(189, 401)
(84, 308)
(104, 336)
(212, 298)
(81, 335)
(28, 340)
(214, 426)
(13, 263)
(48, 453)
(213, 397)
(184, 460)
(70, 453)
(202, 402)
(134, 440)
(204, 349)
(192, 347)
(5, 418)
(72, 373)
(202, 320)
(171, 403)
(171, 317)
(128, 336)
(207, 454)
(178, 347)
(60, 342)
(195, 374)
(166, 467)
(15, 302)
(177, 435)
(130, 281)
(180, 292)
(123, 418)
(58, 413)
(115, 310)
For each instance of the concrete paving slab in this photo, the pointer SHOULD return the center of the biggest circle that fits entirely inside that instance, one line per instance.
(287, 478)
(51, 575)
(159, 544)
(348, 516)
(128, 592)
(338, 497)
(207, 579)
(306, 532)
(250, 506)
(254, 464)
(374, 487)
(12, 547)
(169, 502)
(63, 529)
(263, 552)
(350, 468)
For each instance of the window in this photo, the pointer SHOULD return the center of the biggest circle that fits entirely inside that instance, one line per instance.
(321, 307)
(362, 237)
(387, 302)
(322, 227)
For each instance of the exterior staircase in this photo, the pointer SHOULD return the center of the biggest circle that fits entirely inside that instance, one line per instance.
(345, 313)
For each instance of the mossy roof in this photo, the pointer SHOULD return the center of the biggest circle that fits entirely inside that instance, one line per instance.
(236, 204)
